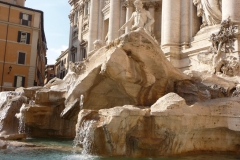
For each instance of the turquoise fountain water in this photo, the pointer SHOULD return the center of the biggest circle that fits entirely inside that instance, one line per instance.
(63, 150)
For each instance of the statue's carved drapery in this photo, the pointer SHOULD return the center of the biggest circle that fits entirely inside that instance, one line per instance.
(210, 11)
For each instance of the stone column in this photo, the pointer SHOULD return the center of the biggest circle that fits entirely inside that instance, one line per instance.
(80, 22)
(230, 8)
(185, 23)
(123, 18)
(100, 20)
(171, 18)
(158, 22)
(130, 8)
(195, 22)
(93, 24)
(71, 17)
(114, 21)
(171, 27)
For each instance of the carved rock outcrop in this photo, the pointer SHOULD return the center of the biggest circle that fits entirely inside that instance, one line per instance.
(45, 121)
(130, 70)
(165, 129)
(34, 112)
(10, 104)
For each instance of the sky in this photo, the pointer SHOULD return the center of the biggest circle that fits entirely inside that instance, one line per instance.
(56, 25)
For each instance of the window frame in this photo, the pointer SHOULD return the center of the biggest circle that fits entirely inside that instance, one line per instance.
(19, 57)
(16, 81)
(25, 21)
(28, 37)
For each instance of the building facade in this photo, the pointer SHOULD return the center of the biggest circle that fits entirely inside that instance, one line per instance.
(61, 65)
(182, 27)
(22, 46)
(49, 73)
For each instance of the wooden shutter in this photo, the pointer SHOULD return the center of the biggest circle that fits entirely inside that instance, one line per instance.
(28, 38)
(15, 81)
(21, 15)
(30, 17)
(23, 81)
(21, 58)
(34, 83)
(46, 60)
(19, 36)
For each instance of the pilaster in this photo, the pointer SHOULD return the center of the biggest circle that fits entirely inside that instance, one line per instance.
(114, 21)
(93, 24)
(130, 7)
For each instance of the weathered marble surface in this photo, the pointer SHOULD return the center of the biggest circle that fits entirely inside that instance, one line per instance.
(169, 127)
(34, 112)
(10, 104)
(130, 70)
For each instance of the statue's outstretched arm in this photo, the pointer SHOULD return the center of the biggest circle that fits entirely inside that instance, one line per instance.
(128, 23)
(196, 2)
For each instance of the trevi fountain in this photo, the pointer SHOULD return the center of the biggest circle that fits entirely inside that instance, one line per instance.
(128, 100)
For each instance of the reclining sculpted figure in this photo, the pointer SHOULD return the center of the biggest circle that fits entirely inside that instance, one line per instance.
(140, 18)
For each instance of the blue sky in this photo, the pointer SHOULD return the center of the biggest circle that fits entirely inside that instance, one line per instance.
(56, 25)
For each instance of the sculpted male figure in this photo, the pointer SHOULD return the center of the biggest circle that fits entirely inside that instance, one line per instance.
(210, 11)
(141, 18)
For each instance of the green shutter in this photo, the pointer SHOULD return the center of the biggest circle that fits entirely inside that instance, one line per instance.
(21, 58)
(28, 38)
(30, 17)
(23, 81)
(15, 81)
(21, 15)
(19, 36)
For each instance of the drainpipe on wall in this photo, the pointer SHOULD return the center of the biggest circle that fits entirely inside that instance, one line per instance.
(5, 50)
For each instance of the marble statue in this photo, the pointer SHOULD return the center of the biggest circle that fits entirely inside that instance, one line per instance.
(69, 79)
(222, 43)
(97, 44)
(141, 18)
(210, 11)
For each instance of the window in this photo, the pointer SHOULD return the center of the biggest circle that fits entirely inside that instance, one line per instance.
(84, 53)
(19, 81)
(76, 18)
(25, 19)
(87, 8)
(23, 37)
(63, 74)
(21, 58)
(51, 75)
(73, 57)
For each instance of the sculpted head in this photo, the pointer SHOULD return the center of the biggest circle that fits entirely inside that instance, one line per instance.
(71, 66)
(97, 44)
(138, 4)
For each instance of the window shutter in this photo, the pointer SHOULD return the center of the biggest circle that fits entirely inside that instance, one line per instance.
(28, 38)
(19, 36)
(21, 15)
(23, 81)
(34, 83)
(30, 17)
(15, 81)
(21, 58)
(46, 60)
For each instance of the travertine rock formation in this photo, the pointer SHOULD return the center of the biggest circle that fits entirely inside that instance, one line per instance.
(34, 112)
(10, 104)
(169, 127)
(45, 121)
(130, 70)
